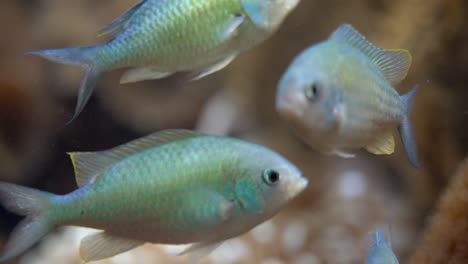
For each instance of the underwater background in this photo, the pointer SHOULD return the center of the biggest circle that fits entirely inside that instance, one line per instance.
(346, 198)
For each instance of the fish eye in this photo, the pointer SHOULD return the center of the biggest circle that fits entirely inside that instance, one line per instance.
(271, 177)
(311, 91)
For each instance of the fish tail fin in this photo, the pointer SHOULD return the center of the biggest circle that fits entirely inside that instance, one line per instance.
(32, 204)
(85, 57)
(405, 129)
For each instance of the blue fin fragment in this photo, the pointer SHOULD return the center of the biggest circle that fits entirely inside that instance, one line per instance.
(405, 129)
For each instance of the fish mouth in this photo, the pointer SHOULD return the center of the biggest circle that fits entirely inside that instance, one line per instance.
(298, 186)
(288, 106)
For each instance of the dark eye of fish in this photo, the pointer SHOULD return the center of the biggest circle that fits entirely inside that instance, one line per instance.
(271, 177)
(311, 91)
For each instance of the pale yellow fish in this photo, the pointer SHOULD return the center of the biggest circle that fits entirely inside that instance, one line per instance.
(338, 96)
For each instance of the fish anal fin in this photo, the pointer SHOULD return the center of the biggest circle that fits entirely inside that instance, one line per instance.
(212, 68)
(142, 74)
(394, 64)
(199, 250)
(121, 22)
(89, 165)
(384, 145)
(103, 245)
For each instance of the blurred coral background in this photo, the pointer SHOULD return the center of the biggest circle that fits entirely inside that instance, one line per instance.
(346, 198)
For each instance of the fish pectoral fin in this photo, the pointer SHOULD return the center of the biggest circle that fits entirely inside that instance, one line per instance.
(89, 165)
(121, 22)
(142, 74)
(232, 26)
(207, 200)
(394, 64)
(212, 68)
(384, 145)
(199, 250)
(103, 245)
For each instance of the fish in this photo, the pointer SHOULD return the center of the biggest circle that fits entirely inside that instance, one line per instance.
(381, 252)
(157, 38)
(338, 96)
(171, 187)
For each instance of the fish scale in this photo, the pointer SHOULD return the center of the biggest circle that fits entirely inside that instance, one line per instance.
(162, 40)
(134, 166)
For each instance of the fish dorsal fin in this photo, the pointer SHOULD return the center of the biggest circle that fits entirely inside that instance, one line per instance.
(394, 64)
(384, 145)
(121, 22)
(379, 237)
(88, 165)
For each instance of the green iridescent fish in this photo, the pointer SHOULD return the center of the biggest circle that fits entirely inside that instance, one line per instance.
(338, 96)
(157, 38)
(171, 187)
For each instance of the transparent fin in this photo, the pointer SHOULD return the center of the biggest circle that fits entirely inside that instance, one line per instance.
(384, 145)
(102, 245)
(232, 26)
(406, 130)
(342, 154)
(142, 74)
(213, 68)
(34, 205)
(199, 250)
(84, 57)
(205, 200)
(121, 22)
(394, 64)
(90, 164)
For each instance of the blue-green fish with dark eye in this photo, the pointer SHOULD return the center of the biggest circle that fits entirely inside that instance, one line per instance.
(381, 252)
(170, 187)
(338, 96)
(158, 38)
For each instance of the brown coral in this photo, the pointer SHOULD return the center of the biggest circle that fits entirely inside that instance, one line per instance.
(445, 240)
